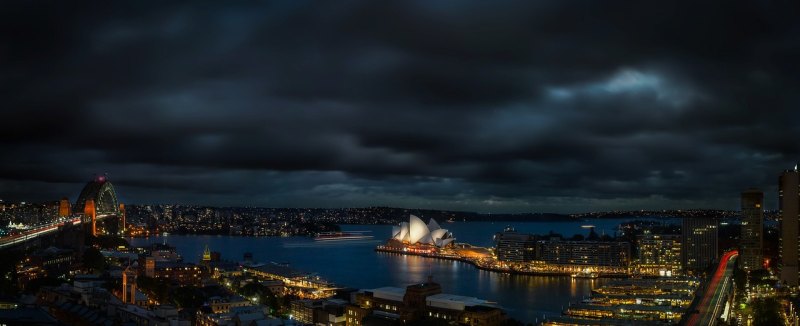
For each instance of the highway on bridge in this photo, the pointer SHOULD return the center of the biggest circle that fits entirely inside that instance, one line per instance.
(713, 301)
(36, 231)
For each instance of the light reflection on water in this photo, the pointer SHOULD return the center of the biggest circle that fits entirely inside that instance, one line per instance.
(356, 264)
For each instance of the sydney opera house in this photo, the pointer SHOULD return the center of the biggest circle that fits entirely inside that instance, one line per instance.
(416, 232)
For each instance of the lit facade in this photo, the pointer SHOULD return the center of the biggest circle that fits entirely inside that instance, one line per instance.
(660, 252)
(591, 253)
(511, 246)
(416, 231)
(653, 301)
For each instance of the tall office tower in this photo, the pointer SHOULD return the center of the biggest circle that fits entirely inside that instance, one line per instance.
(699, 243)
(789, 203)
(752, 230)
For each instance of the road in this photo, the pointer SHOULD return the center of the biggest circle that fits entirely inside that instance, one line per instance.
(713, 301)
(36, 231)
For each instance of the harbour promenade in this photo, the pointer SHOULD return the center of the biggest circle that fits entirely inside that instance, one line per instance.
(482, 259)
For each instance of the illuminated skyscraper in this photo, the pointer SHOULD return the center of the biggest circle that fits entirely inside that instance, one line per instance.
(752, 229)
(789, 203)
(699, 243)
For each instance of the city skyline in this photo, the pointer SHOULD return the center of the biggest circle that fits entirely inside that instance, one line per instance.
(520, 107)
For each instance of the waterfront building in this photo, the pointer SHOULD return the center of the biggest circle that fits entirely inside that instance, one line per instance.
(590, 253)
(511, 246)
(699, 243)
(304, 285)
(789, 204)
(751, 240)
(415, 231)
(423, 301)
(660, 254)
(632, 302)
(661, 313)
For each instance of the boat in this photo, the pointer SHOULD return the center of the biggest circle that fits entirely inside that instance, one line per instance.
(343, 236)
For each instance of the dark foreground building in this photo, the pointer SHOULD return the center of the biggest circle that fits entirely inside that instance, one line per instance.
(752, 230)
(420, 302)
(789, 204)
(700, 246)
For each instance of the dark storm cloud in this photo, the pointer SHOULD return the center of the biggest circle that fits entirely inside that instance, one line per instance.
(516, 106)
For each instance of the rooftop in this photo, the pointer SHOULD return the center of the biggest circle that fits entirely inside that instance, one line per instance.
(452, 301)
(389, 293)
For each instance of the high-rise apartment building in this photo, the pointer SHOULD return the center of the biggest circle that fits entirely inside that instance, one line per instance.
(660, 252)
(789, 204)
(752, 235)
(699, 243)
(591, 253)
(512, 246)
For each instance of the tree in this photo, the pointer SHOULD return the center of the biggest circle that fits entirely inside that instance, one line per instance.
(767, 312)
(577, 237)
(8, 272)
(33, 286)
(188, 297)
(158, 289)
(93, 260)
(108, 241)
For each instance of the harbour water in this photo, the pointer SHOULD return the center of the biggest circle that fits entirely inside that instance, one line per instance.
(356, 264)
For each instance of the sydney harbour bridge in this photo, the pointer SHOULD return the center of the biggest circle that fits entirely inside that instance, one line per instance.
(96, 211)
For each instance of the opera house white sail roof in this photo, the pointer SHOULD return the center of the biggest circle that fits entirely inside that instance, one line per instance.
(416, 231)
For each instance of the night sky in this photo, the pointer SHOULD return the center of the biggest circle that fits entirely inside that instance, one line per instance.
(486, 106)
